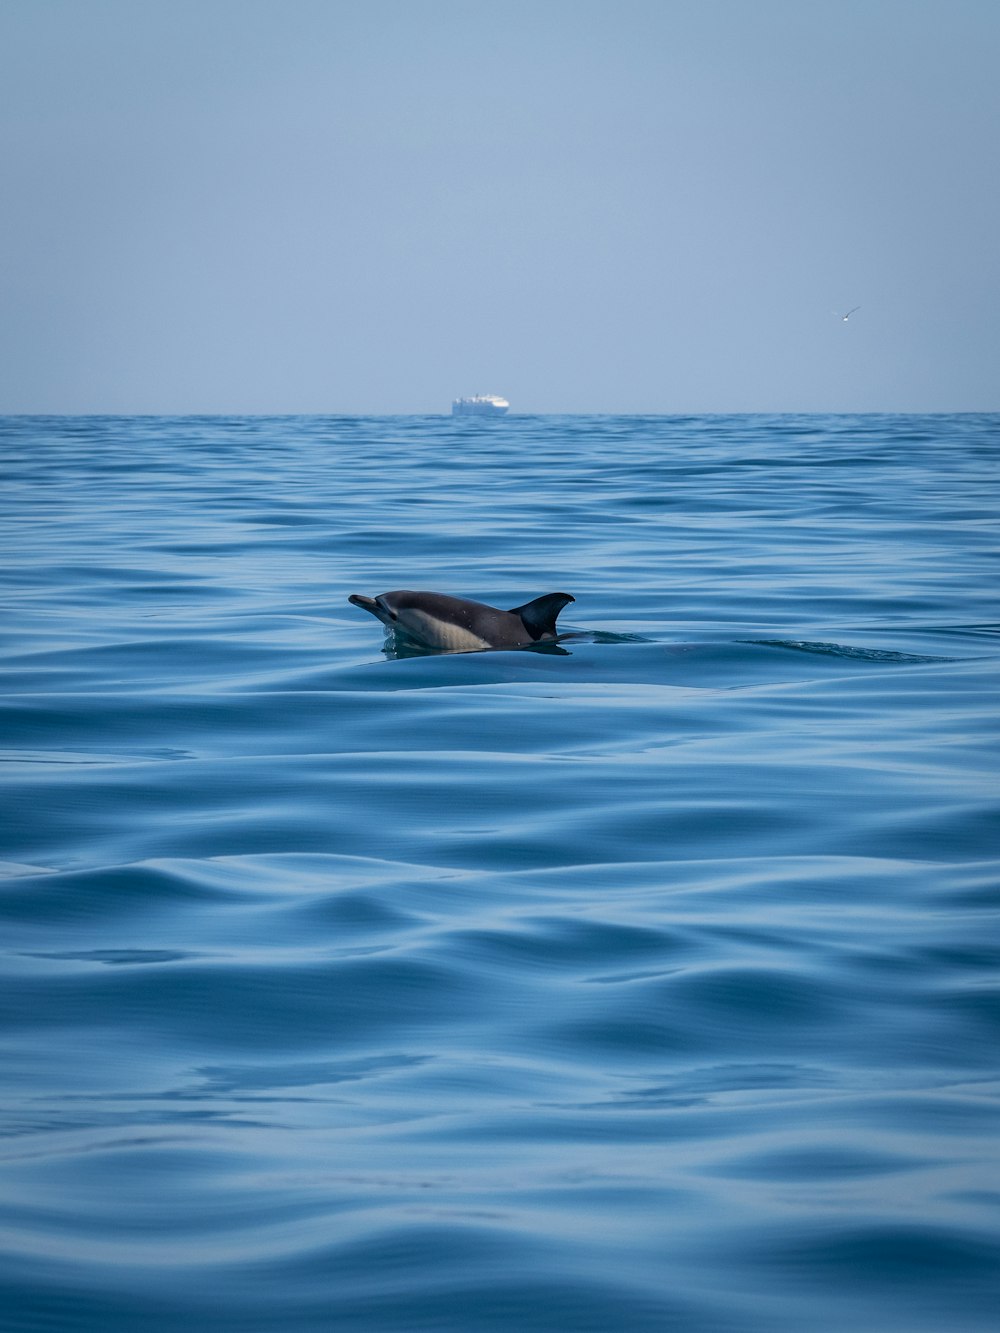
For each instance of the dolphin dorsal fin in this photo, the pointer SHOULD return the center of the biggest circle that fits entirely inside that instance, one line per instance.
(539, 616)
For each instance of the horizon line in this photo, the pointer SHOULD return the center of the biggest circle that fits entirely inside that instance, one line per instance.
(448, 416)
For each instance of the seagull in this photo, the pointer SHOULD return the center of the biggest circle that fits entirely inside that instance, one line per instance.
(850, 313)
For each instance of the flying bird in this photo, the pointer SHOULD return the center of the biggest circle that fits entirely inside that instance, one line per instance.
(850, 313)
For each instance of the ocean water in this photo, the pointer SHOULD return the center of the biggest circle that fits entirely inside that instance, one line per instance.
(646, 982)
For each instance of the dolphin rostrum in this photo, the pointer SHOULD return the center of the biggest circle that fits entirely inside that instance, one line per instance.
(453, 625)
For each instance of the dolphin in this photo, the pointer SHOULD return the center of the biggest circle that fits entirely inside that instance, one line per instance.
(454, 625)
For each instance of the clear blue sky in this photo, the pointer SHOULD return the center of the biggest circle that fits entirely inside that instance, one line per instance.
(585, 205)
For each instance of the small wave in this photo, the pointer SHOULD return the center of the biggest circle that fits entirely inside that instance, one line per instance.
(115, 957)
(824, 649)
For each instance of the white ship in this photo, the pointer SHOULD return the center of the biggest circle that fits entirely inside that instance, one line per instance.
(482, 405)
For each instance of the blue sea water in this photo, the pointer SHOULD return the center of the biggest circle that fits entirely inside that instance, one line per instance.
(646, 982)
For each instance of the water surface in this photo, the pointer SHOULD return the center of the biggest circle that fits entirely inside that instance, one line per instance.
(648, 982)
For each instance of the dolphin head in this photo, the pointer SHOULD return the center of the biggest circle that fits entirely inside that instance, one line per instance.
(380, 607)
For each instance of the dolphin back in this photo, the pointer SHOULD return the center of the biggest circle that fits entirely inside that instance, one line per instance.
(539, 616)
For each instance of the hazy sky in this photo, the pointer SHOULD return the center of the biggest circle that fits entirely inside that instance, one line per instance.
(584, 205)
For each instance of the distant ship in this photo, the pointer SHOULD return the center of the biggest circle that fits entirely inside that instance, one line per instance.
(482, 405)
